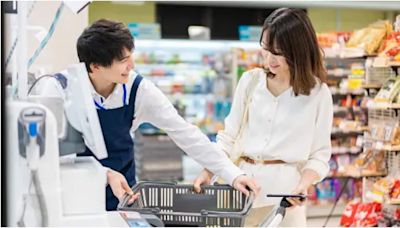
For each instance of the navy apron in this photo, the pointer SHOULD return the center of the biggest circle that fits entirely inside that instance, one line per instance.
(116, 125)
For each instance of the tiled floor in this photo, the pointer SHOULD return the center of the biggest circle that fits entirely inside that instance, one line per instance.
(191, 169)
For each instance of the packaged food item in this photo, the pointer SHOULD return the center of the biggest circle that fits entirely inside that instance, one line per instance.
(367, 214)
(379, 190)
(389, 127)
(326, 191)
(312, 195)
(395, 139)
(357, 37)
(342, 162)
(391, 46)
(389, 90)
(395, 191)
(349, 213)
(333, 166)
(370, 38)
(368, 163)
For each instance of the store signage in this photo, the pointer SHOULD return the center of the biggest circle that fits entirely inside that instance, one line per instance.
(145, 30)
(249, 33)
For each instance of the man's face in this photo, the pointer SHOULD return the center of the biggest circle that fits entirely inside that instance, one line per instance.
(119, 70)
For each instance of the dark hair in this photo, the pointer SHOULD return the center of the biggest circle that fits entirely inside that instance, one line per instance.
(290, 32)
(102, 42)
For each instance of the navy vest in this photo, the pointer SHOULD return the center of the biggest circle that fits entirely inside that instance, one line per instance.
(116, 125)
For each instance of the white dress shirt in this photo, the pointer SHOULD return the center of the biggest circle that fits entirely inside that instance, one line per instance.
(153, 106)
(289, 128)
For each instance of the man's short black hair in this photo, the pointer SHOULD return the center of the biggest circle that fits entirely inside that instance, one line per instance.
(102, 42)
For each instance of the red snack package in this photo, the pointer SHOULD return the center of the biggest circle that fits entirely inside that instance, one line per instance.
(395, 192)
(397, 214)
(349, 212)
(368, 214)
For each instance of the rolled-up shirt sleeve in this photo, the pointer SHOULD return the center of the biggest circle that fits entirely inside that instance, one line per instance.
(321, 147)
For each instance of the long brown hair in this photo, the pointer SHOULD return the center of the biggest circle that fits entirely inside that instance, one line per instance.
(291, 32)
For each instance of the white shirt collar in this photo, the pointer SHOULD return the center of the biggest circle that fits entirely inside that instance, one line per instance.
(95, 94)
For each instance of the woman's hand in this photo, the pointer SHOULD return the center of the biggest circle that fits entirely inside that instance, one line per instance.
(204, 178)
(301, 189)
(308, 177)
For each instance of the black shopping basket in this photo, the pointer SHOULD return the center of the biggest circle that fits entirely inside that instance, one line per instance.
(180, 205)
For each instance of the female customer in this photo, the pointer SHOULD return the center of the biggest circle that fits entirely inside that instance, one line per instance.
(280, 123)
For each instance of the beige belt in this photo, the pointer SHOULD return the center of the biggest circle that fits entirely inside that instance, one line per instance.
(265, 162)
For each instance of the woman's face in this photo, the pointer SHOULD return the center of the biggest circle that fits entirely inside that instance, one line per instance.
(273, 59)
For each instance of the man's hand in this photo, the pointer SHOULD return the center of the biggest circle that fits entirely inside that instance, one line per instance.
(242, 183)
(119, 186)
(204, 178)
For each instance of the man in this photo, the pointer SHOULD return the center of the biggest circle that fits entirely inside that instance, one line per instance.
(124, 100)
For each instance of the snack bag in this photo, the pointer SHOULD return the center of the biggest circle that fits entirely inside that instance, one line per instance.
(349, 212)
(370, 38)
(367, 215)
(395, 191)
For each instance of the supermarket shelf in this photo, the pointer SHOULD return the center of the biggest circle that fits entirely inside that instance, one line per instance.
(357, 176)
(384, 106)
(324, 210)
(393, 63)
(181, 65)
(379, 145)
(371, 86)
(337, 58)
(345, 110)
(391, 148)
(341, 177)
(346, 133)
(187, 94)
(337, 76)
(337, 110)
(394, 202)
(345, 93)
(346, 150)
(365, 128)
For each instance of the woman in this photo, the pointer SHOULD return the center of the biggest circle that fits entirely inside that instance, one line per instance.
(285, 138)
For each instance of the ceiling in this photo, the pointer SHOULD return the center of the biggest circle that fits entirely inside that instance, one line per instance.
(378, 5)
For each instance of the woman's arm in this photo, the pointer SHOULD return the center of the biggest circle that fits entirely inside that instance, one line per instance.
(317, 166)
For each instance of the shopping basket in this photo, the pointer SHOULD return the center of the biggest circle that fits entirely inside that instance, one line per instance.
(180, 205)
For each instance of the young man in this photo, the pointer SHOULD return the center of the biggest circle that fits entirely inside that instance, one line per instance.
(124, 100)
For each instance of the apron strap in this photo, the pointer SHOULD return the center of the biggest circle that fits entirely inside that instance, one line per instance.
(135, 86)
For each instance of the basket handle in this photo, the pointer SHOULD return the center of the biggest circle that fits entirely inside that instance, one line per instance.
(245, 210)
(124, 200)
(140, 183)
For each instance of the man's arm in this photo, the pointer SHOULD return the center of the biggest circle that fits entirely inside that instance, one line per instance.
(154, 107)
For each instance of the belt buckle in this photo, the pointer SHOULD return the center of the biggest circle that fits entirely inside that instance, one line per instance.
(258, 161)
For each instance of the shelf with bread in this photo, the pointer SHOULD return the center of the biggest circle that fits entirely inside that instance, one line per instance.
(347, 55)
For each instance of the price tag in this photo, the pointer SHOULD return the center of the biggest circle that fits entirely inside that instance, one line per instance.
(388, 133)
